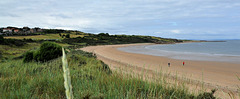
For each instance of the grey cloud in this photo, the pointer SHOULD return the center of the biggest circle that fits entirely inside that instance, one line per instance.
(60, 15)
(9, 15)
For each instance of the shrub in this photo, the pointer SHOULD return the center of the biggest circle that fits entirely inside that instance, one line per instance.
(207, 95)
(14, 42)
(36, 55)
(67, 36)
(63, 36)
(28, 56)
(28, 40)
(47, 51)
(1, 39)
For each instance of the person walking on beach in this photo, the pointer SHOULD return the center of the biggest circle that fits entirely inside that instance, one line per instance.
(168, 64)
(183, 63)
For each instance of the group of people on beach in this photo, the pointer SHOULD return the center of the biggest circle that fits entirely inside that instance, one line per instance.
(183, 63)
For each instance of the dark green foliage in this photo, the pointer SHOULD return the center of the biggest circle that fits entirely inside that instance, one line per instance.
(63, 36)
(36, 55)
(67, 36)
(53, 31)
(103, 34)
(28, 40)
(47, 51)
(14, 42)
(207, 95)
(105, 38)
(28, 56)
(1, 39)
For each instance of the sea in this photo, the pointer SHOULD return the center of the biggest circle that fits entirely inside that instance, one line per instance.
(227, 51)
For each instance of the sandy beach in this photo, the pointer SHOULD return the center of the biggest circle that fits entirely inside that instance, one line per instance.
(220, 75)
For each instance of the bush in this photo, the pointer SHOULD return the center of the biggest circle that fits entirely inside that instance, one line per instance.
(36, 55)
(11, 42)
(28, 56)
(67, 36)
(1, 39)
(207, 95)
(63, 36)
(47, 51)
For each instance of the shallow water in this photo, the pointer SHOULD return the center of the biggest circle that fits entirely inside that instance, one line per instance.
(228, 51)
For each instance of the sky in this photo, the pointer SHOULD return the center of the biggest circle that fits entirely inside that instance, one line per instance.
(182, 19)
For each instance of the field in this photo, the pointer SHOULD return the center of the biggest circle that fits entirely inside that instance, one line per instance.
(42, 37)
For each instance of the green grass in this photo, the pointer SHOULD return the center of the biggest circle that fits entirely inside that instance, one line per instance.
(15, 51)
(11, 51)
(90, 79)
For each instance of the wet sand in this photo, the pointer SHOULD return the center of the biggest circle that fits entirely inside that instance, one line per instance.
(220, 75)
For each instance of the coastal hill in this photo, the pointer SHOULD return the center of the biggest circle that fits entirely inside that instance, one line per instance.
(90, 77)
(78, 36)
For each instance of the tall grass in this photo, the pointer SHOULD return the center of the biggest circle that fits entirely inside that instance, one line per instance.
(90, 79)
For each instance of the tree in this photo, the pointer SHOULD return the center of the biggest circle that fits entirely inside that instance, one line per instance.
(103, 34)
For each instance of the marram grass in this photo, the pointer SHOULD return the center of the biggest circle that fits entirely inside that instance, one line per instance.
(66, 75)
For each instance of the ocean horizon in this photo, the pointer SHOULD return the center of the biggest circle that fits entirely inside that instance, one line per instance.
(228, 51)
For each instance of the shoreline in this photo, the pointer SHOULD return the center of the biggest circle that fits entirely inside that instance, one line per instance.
(220, 75)
(188, 56)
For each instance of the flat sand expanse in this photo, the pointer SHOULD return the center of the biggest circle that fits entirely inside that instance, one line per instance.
(221, 75)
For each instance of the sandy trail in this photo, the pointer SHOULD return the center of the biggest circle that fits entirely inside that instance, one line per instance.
(220, 75)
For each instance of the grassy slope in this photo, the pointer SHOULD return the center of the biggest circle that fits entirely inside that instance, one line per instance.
(90, 78)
